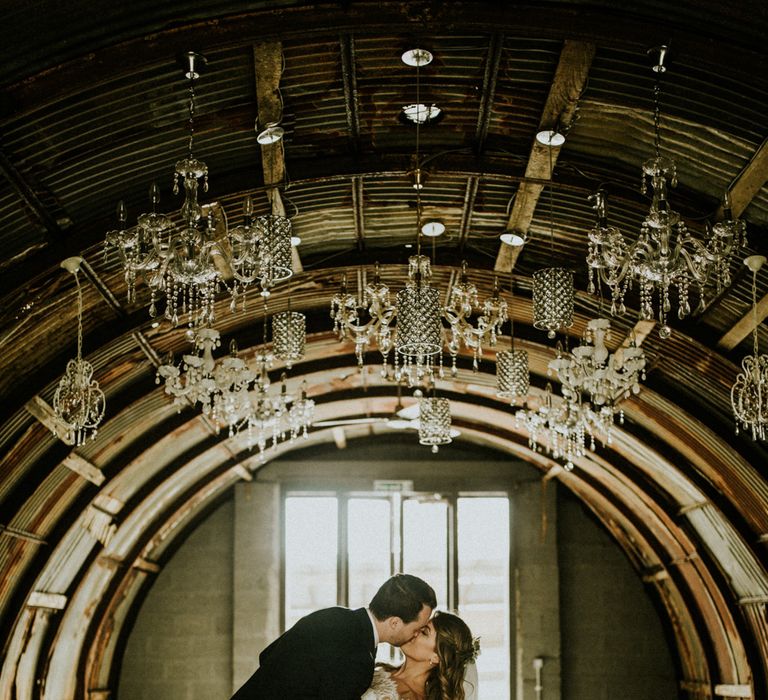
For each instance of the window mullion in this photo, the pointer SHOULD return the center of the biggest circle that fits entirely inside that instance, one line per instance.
(342, 560)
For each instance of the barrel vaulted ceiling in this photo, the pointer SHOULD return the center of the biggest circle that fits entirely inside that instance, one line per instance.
(93, 109)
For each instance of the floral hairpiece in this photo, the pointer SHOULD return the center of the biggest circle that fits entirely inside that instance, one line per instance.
(475, 650)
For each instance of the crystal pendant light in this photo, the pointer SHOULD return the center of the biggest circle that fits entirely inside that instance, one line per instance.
(289, 334)
(419, 329)
(552, 286)
(78, 402)
(434, 422)
(512, 373)
(749, 394)
(666, 256)
(552, 299)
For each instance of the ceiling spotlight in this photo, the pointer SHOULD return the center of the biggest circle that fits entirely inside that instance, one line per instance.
(271, 134)
(417, 57)
(513, 238)
(433, 229)
(550, 137)
(295, 241)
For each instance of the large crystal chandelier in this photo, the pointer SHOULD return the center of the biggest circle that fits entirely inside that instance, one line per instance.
(238, 397)
(78, 402)
(187, 259)
(591, 371)
(749, 395)
(666, 255)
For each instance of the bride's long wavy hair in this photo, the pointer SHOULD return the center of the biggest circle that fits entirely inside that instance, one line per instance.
(454, 647)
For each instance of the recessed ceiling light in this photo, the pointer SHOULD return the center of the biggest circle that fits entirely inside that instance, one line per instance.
(417, 57)
(550, 137)
(433, 229)
(513, 238)
(295, 241)
(421, 113)
(271, 134)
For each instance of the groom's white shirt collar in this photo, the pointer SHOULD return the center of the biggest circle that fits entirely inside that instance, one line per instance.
(373, 624)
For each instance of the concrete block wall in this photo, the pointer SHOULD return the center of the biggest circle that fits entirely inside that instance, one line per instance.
(180, 647)
(613, 645)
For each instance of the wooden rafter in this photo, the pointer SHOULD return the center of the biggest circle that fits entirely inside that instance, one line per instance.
(743, 327)
(567, 86)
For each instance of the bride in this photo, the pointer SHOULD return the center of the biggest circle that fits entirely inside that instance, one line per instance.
(439, 665)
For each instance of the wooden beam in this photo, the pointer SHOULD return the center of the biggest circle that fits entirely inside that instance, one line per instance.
(559, 109)
(748, 182)
(488, 92)
(349, 78)
(744, 326)
(51, 601)
(470, 194)
(81, 466)
(44, 413)
(339, 437)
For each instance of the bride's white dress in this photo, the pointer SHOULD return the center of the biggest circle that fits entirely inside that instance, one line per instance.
(382, 686)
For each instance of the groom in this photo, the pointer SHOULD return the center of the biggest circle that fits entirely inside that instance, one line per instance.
(329, 654)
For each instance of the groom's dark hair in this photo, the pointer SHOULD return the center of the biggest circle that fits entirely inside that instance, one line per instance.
(402, 596)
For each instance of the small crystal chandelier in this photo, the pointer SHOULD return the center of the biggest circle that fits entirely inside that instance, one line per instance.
(301, 414)
(561, 428)
(590, 370)
(749, 394)
(289, 335)
(376, 328)
(665, 255)
(260, 252)
(434, 421)
(513, 378)
(78, 401)
(462, 300)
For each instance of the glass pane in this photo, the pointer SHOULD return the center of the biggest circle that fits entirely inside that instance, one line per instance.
(483, 552)
(368, 548)
(311, 527)
(425, 541)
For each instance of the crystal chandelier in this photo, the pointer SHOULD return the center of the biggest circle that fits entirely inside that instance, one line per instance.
(186, 261)
(749, 394)
(78, 402)
(233, 394)
(665, 255)
(345, 312)
(260, 252)
(590, 370)
(563, 427)
(434, 422)
(461, 302)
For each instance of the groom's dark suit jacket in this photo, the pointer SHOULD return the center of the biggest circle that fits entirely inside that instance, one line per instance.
(328, 654)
